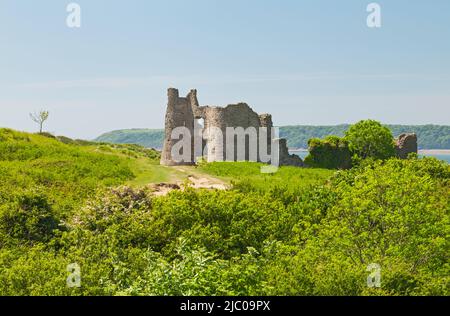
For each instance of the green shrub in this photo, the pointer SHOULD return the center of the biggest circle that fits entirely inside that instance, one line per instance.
(300, 231)
(331, 153)
(29, 218)
(369, 139)
(394, 214)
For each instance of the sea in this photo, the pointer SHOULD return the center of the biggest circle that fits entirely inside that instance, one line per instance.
(442, 156)
(445, 157)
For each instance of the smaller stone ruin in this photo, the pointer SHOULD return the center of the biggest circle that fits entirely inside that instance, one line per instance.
(186, 113)
(406, 144)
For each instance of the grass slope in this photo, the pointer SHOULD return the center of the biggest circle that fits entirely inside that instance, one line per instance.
(246, 175)
(295, 232)
(66, 173)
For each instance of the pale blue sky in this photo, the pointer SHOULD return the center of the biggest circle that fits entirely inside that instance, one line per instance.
(306, 62)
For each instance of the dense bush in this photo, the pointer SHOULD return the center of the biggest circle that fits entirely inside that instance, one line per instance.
(295, 232)
(331, 153)
(369, 139)
(390, 214)
(364, 140)
(28, 217)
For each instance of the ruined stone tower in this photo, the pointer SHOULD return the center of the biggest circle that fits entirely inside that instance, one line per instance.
(212, 141)
(179, 113)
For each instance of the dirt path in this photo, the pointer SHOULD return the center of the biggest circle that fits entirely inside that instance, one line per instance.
(195, 179)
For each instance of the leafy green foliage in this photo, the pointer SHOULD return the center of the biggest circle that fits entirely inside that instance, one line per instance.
(330, 153)
(369, 139)
(294, 232)
(29, 218)
(364, 140)
(65, 175)
(395, 214)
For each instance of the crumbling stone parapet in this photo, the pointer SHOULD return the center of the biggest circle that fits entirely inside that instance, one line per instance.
(185, 111)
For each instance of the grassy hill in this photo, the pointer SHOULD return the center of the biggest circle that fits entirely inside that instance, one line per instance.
(149, 138)
(300, 231)
(60, 174)
(430, 136)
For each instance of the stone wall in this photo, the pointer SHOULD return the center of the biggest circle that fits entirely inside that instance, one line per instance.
(214, 143)
(406, 144)
(179, 113)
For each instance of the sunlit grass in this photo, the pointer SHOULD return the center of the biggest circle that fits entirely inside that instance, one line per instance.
(249, 173)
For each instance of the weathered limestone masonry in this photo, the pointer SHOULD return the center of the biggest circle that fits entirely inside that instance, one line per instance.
(179, 113)
(186, 111)
(406, 144)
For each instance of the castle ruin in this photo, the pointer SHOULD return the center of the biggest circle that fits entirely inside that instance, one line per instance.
(209, 141)
(406, 144)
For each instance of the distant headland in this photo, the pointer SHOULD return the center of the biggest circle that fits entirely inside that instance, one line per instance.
(430, 137)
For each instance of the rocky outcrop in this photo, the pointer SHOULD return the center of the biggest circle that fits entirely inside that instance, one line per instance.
(406, 144)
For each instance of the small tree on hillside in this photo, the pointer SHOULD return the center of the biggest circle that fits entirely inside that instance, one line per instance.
(370, 139)
(40, 118)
